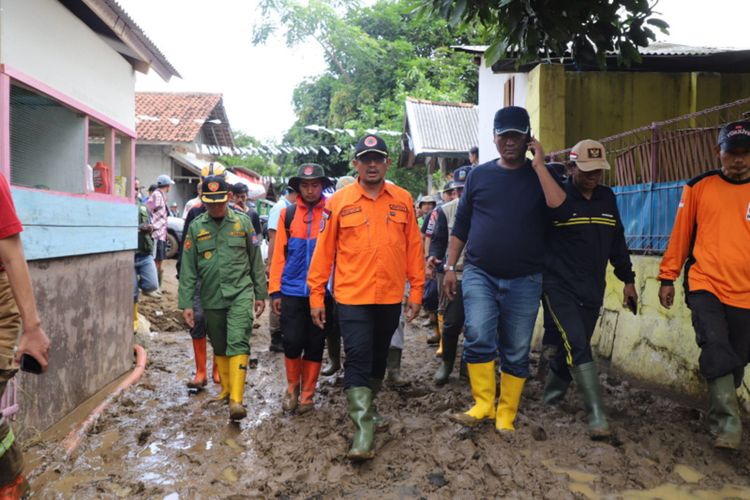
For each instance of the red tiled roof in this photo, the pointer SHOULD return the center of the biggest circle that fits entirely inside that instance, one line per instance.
(174, 116)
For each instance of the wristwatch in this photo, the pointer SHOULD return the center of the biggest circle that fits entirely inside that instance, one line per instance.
(450, 268)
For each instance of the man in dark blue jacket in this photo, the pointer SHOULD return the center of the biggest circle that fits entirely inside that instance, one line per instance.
(296, 236)
(501, 220)
(586, 233)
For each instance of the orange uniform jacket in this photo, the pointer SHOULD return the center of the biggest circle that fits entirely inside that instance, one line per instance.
(296, 250)
(376, 245)
(715, 211)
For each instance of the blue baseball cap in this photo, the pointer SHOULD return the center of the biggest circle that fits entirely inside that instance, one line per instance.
(164, 180)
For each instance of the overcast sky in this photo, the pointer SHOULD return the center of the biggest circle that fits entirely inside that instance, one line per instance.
(209, 42)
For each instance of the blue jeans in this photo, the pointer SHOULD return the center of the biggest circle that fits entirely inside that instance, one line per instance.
(145, 274)
(500, 316)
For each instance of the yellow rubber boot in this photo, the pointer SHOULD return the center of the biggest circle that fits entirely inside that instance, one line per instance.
(439, 352)
(483, 388)
(135, 317)
(510, 395)
(223, 365)
(237, 373)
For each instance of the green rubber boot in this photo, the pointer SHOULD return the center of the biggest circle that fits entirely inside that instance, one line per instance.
(724, 412)
(360, 402)
(378, 420)
(393, 368)
(555, 389)
(587, 379)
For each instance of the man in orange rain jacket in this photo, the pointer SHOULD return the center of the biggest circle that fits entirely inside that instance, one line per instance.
(296, 238)
(370, 230)
(712, 233)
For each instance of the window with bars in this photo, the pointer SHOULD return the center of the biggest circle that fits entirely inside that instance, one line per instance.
(56, 147)
(47, 143)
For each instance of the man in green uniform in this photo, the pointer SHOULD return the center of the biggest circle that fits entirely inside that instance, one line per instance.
(221, 248)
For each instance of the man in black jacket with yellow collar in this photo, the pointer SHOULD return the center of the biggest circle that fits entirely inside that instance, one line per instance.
(586, 233)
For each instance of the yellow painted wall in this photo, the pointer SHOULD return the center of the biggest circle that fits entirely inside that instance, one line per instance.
(735, 87)
(567, 106)
(600, 104)
(658, 345)
(545, 102)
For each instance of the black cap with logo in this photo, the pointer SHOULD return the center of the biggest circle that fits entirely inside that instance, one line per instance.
(215, 189)
(371, 144)
(735, 135)
(512, 119)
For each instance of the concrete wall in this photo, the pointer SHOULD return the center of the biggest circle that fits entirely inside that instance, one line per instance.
(44, 40)
(151, 161)
(89, 321)
(491, 98)
(657, 346)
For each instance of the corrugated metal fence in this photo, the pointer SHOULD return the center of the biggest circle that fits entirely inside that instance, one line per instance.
(652, 163)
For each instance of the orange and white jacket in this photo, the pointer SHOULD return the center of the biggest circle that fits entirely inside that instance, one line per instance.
(712, 233)
(375, 244)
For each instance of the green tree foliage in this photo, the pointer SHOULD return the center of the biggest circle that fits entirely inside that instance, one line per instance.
(534, 29)
(376, 56)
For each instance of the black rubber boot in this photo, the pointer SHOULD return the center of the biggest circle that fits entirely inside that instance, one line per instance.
(555, 389)
(443, 373)
(277, 342)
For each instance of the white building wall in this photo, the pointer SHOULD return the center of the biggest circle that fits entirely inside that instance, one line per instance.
(491, 98)
(151, 161)
(44, 40)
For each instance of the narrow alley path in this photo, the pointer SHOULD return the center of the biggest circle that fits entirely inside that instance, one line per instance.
(159, 441)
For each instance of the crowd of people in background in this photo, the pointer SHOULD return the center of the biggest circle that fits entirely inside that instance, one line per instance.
(356, 260)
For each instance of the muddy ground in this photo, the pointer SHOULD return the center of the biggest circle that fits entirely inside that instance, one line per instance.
(160, 441)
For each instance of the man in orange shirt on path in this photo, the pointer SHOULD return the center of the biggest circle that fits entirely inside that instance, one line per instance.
(370, 230)
(712, 233)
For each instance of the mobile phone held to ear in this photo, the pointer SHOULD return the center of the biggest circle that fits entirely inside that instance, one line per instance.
(632, 305)
(30, 364)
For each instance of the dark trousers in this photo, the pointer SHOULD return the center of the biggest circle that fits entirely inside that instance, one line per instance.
(453, 322)
(723, 334)
(574, 325)
(198, 331)
(300, 335)
(333, 334)
(367, 332)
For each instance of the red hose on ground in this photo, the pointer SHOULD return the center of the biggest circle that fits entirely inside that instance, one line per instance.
(72, 440)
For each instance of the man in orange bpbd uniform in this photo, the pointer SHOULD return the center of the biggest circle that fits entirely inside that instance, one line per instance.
(370, 230)
(712, 233)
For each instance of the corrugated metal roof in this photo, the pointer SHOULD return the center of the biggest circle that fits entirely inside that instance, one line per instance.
(655, 49)
(441, 127)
